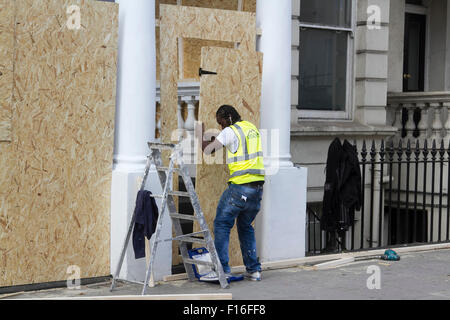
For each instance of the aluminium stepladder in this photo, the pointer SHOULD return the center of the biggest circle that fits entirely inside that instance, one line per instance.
(165, 176)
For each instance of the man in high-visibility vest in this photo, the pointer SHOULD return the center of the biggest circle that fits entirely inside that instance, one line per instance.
(241, 201)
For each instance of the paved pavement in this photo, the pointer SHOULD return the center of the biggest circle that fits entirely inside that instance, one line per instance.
(418, 275)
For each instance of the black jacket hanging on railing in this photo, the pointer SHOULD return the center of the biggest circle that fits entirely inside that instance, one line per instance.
(342, 190)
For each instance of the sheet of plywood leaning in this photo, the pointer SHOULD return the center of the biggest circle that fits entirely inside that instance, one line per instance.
(6, 67)
(237, 83)
(198, 23)
(55, 175)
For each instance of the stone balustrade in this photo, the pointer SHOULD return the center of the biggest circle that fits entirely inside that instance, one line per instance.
(188, 103)
(420, 115)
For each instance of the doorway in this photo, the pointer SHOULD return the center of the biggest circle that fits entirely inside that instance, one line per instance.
(414, 53)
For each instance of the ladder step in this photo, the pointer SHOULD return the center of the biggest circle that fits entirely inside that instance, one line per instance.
(190, 234)
(186, 239)
(172, 193)
(180, 194)
(193, 261)
(165, 169)
(161, 146)
(183, 216)
(191, 240)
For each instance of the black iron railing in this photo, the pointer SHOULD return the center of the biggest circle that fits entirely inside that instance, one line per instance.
(405, 196)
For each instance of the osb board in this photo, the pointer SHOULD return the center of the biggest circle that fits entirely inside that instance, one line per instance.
(249, 5)
(56, 172)
(237, 83)
(200, 23)
(6, 67)
(192, 55)
(191, 47)
(213, 4)
(158, 2)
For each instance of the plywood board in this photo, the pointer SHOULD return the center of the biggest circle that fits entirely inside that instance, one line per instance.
(200, 23)
(237, 83)
(56, 172)
(184, 297)
(216, 4)
(192, 55)
(6, 67)
(249, 5)
(192, 47)
(189, 22)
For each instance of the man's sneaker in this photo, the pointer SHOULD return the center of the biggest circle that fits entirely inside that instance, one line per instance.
(254, 276)
(213, 276)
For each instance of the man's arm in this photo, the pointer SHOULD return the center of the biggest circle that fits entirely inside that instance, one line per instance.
(208, 147)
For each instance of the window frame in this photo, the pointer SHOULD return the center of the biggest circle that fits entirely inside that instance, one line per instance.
(347, 114)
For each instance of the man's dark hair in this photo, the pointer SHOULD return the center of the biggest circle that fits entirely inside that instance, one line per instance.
(228, 113)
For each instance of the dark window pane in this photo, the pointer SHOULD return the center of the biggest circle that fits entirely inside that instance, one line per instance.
(326, 12)
(416, 2)
(323, 70)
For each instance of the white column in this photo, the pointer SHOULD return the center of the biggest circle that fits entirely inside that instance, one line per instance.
(136, 84)
(280, 226)
(275, 20)
(135, 126)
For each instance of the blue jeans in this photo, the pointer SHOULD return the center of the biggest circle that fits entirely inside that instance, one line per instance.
(241, 203)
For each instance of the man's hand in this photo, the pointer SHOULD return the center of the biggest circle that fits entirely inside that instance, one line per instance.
(208, 147)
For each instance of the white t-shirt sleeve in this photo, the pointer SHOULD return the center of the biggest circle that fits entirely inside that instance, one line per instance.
(229, 139)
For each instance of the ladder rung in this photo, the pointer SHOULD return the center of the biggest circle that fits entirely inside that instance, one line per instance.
(179, 194)
(186, 239)
(183, 216)
(161, 146)
(172, 193)
(166, 169)
(193, 261)
(191, 240)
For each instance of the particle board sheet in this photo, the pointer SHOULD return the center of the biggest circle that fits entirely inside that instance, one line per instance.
(237, 83)
(249, 5)
(6, 67)
(56, 172)
(192, 55)
(213, 4)
(158, 2)
(199, 23)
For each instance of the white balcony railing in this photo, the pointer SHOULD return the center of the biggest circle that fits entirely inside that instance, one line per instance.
(188, 103)
(420, 115)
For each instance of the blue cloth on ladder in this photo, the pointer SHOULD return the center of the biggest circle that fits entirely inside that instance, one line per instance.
(147, 214)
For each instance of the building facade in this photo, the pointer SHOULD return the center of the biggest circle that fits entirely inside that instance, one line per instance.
(350, 69)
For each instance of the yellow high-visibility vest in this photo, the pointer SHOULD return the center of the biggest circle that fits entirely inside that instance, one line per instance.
(246, 165)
